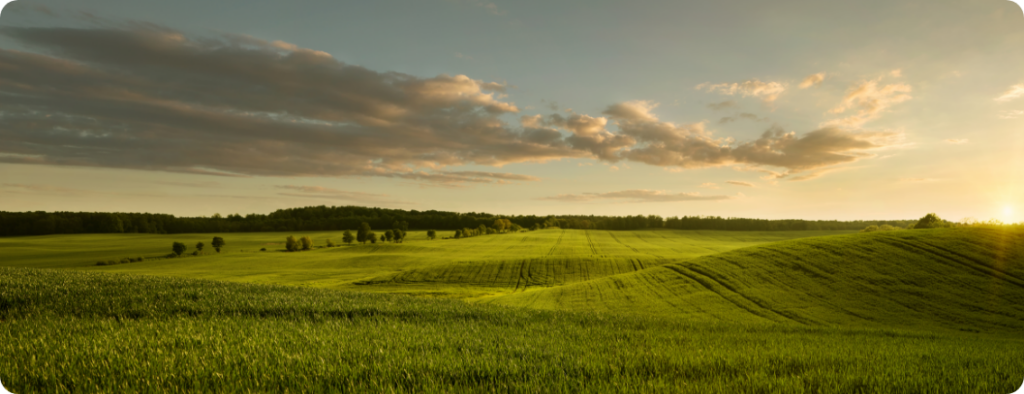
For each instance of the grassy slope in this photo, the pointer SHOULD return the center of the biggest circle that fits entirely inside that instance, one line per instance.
(966, 279)
(71, 331)
(473, 267)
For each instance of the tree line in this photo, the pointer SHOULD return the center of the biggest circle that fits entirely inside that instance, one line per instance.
(323, 218)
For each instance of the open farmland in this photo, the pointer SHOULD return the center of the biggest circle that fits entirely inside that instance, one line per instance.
(64, 331)
(924, 311)
(468, 267)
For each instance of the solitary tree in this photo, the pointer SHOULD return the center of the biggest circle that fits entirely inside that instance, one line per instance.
(370, 236)
(307, 243)
(291, 244)
(179, 248)
(930, 220)
(330, 244)
(431, 234)
(389, 235)
(347, 237)
(382, 239)
(217, 243)
(199, 247)
(362, 235)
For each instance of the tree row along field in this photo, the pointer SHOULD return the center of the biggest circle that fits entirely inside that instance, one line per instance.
(67, 331)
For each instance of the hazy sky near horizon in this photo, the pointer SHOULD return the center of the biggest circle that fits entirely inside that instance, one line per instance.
(783, 109)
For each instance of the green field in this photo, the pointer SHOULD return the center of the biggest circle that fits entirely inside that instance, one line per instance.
(923, 311)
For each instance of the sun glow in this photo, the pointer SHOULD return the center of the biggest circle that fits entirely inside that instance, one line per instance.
(1008, 214)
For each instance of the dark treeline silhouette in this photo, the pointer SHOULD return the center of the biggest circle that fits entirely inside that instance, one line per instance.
(322, 218)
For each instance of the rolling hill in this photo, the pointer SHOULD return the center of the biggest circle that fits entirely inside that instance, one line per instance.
(969, 279)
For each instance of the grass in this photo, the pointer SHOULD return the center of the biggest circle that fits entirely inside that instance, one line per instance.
(929, 311)
(414, 265)
(66, 331)
(960, 279)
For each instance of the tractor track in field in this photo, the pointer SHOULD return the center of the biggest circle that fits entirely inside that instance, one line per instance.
(708, 282)
(622, 243)
(522, 266)
(557, 243)
(990, 271)
(593, 248)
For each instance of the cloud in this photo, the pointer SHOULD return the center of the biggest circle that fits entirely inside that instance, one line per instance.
(739, 183)
(45, 189)
(1011, 114)
(335, 194)
(189, 184)
(741, 116)
(1012, 93)
(727, 104)
(154, 99)
(870, 100)
(766, 91)
(151, 98)
(955, 141)
(693, 146)
(709, 185)
(812, 80)
(640, 195)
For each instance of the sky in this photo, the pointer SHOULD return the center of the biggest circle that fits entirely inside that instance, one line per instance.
(787, 109)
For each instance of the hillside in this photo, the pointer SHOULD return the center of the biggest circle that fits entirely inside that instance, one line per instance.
(969, 279)
(469, 267)
(64, 331)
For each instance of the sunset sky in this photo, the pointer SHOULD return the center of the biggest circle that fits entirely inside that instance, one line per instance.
(767, 109)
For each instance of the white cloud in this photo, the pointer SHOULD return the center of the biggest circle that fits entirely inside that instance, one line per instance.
(1012, 93)
(766, 91)
(870, 100)
(812, 80)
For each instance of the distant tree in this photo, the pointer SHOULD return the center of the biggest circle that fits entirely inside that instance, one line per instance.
(371, 237)
(458, 234)
(217, 243)
(179, 248)
(930, 220)
(347, 237)
(382, 239)
(362, 235)
(329, 243)
(491, 230)
(431, 234)
(870, 229)
(291, 244)
(515, 228)
(481, 230)
(389, 235)
(307, 243)
(535, 227)
(216, 216)
(199, 247)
